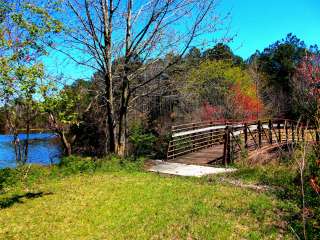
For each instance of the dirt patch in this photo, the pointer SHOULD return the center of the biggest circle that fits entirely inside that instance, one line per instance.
(269, 154)
(238, 183)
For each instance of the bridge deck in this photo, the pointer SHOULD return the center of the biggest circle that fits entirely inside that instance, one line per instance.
(201, 157)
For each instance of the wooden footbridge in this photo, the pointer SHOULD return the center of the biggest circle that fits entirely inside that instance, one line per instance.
(216, 142)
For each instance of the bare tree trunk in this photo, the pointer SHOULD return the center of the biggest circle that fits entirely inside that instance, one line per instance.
(17, 147)
(65, 142)
(111, 129)
(13, 131)
(110, 114)
(26, 144)
(7, 125)
(122, 129)
(107, 12)
(60, 131)
(122, 133)
(122, 137)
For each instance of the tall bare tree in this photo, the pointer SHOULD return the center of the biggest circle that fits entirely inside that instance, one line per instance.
(102, 32)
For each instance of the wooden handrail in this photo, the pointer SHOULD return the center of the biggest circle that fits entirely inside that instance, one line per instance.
(190, 137)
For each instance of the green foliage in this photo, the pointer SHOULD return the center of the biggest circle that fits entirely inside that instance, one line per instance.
(193, 57)
(278, 65)
(27, 175)
(25, 29)
(217, 77)
(224, 86)
(161, 146)
(224, 53)
(279, 61)
(73, 165)
(8, 177)
(62, 106)
(66, 105)
(141, 140)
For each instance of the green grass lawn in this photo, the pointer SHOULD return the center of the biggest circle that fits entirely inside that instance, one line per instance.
(138, 205)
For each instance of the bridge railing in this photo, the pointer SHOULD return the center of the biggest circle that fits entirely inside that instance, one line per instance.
(262, 133)
(235, 136)
(192, 137)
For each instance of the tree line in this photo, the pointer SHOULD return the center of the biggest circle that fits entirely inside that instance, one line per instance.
(140, 53)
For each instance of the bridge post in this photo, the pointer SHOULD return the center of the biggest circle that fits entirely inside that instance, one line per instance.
(245, 131)
(317, 136)
(193, 139)
(259, 134)
(226, 146)
(286, 130)
(279, 132)
(292, 132)
(211, 140)
(270, 131)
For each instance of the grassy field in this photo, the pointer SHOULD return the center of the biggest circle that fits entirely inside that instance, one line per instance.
(137, 205)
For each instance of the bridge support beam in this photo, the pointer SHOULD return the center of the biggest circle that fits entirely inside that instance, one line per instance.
(245, 131)
(286, 130)
(227, 147)
(279, 132)
(270, 131)
(259, 134)
(292, 133)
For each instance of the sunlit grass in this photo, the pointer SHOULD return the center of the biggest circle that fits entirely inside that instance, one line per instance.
(137, 205)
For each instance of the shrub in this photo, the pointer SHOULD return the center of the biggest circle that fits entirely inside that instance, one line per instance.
(141, 140)
(161, 146)
(26, 174)
(8, 177)
(72, 165)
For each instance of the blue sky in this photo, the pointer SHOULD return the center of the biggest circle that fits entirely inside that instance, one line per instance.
(256, 23)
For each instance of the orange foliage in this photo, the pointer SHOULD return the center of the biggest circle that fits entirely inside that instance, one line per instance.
(245, 104)
(248, 106)
(314, 184)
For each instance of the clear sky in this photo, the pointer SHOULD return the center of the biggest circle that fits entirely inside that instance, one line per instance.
(256, 23)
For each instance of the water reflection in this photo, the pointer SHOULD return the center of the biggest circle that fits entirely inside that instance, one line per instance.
(44, 149)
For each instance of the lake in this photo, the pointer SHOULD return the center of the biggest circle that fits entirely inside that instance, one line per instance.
(43, 149)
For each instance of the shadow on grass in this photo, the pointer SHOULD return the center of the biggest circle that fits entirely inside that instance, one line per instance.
(8, 202)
